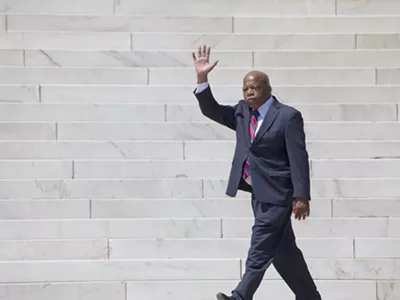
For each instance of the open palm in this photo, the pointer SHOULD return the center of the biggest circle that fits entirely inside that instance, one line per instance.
(202, 63)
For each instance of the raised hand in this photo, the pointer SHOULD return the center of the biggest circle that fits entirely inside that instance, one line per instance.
(202, 63)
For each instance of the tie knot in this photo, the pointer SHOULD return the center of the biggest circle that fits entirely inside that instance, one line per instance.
(255, 113)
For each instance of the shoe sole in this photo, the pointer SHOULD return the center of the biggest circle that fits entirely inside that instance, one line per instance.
(220, 297)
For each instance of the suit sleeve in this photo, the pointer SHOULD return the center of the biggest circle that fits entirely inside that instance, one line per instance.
(210, 108)
(298, 157)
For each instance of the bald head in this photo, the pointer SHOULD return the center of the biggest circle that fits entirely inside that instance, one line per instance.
(257, 76)
(256, 88)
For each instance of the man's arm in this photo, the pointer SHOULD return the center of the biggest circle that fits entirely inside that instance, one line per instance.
(298, 156)
(222, 114)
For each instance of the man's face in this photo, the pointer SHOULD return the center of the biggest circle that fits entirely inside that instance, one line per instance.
(255, 91)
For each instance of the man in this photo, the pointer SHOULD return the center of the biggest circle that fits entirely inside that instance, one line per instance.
(270, 162)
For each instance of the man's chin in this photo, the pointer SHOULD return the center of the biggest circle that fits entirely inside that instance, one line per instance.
(252, 104)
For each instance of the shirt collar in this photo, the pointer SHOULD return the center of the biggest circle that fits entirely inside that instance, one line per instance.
(263, 109)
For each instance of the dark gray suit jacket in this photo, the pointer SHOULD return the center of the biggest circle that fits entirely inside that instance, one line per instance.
(278, 156)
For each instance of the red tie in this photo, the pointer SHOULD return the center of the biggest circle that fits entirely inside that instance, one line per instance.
(253, 126)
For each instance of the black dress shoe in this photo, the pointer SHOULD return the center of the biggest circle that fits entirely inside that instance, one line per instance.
(221, 296)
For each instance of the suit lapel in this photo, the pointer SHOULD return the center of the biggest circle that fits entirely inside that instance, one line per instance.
(269, 119)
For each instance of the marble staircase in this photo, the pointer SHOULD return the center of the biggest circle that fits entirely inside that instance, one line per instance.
(112, 183)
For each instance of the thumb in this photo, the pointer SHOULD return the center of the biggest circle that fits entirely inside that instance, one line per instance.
(214, 64)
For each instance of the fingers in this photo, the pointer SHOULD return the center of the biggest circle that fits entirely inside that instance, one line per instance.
(300, 213)
(204, 51)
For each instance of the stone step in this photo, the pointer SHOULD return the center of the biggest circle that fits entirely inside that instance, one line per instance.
(193, 169)
(54, 250)
(32, 131)
(209, 24)
(119, 270)
(111, 228)
(123, 112)
(49, 75)
(357, 149)
(376, 168)
(276, 289)
(323, 248)
(193, 8)
(320, 131)
(183, 58)
(87, 58)
(196, 290)
(102, 112)
(365, 208)
(361, 94)
(184, 269)
(48, 150)
(366, 7)
(177, 150)
(183, 76)
(164, 228)
(325, 59)
(344, 23)
(65, 291)
(130, 23)
(355, 269)
(183, 208)
(259, 41)
(191, 41)
(73, 40)
(279, 76)
(187, 131)
(11, 58)
(150, 208)
(19, 93)
(65, 40)
(140, 188)
(161, 94)
(328, 188)
(116, 249)
(386, 168)
(224, 208)
(310, 112)
(36, 169)
(45, 209)
(258, 8)
(322, 227)
(56, 7)
(254, 7)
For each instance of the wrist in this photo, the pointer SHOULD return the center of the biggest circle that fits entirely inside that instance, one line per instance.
(202, 78)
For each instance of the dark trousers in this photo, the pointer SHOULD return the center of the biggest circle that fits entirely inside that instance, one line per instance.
(273, 241)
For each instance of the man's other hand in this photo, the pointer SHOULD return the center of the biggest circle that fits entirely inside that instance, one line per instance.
(301, 208)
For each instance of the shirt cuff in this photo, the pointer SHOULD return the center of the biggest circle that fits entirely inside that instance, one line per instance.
(201, 87)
